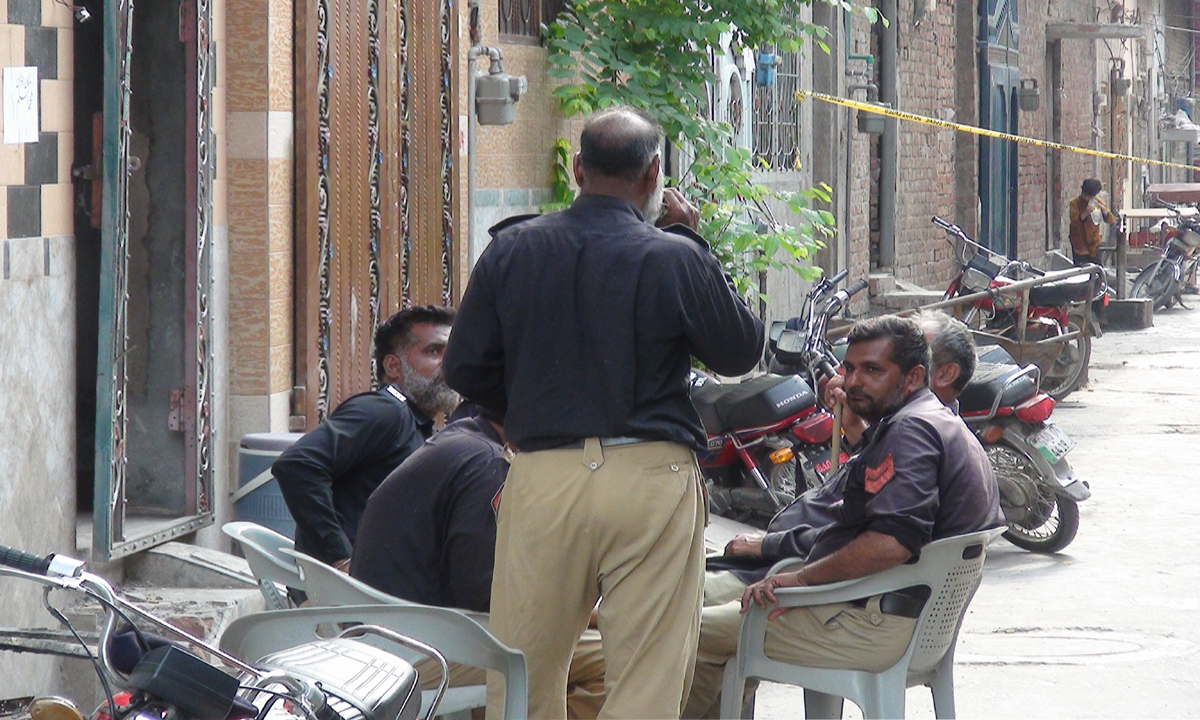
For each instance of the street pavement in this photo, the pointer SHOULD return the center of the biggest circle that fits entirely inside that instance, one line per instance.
(1107, 628)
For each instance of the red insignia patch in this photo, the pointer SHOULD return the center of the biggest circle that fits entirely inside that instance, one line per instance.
(496, 500)
(877, 477)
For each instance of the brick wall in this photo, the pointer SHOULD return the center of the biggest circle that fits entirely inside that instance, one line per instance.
(927, 170)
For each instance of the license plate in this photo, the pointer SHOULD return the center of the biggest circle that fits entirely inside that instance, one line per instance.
(1052, 443)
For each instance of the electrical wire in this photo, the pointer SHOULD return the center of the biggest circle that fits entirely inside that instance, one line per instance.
(112, 705)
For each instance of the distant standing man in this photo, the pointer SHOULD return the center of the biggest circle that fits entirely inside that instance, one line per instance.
(576, 333)
(1086, 212)
(327, 476)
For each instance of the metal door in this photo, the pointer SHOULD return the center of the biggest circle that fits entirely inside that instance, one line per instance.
(999, 78)
(191, 405)
(376, 182)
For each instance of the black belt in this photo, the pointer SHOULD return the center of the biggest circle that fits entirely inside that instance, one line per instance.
(898, 604)
(604, 442)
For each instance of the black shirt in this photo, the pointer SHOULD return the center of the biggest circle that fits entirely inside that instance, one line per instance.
(327, 476)
(921, 476)
(429, 532)
(581, 323)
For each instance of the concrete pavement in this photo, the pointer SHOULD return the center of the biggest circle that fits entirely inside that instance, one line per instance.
(1105, 628)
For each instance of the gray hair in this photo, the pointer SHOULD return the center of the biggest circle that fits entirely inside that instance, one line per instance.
(951, 341)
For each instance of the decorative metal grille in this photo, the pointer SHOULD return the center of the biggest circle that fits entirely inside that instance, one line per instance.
(447, 164)
(375, 161)
(324, 246)
(206, 170)
(524, 18)
(405, 154)
(777, 117)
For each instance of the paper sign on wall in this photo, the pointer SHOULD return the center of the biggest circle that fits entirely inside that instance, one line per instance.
(21, 123)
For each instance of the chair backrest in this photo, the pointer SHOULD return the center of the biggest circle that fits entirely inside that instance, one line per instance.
(952, 569)
(264, 550)
(327, 587)
(455, 635)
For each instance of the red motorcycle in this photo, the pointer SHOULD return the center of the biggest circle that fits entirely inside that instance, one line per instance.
(1058, 316)
(767, 435)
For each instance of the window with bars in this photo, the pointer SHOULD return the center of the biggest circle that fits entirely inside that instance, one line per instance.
(777, 117)
(521, 20)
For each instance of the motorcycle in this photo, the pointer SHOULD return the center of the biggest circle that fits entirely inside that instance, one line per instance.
(148, 677)
(1164, 280)
(1039, 492)
(767, 435)
(1061, 312)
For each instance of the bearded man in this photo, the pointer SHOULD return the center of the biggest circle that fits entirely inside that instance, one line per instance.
(918, 475)
(327, 475)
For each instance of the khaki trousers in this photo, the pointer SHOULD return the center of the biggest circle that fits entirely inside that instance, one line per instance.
(840, 635)
(585, 678)
(624, 522)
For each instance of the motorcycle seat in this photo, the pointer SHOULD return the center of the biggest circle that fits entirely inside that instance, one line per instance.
(992, 379)
(1061, 292)
(756, 402)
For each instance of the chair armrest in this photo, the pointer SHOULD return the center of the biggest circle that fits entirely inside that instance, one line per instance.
(786, 565)
(847, 590)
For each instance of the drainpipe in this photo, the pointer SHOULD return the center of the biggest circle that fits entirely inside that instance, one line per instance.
(888, 143)
(497, 61)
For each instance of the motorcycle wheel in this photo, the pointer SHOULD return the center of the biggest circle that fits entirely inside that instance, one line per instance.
(782, 477)
(1156, 282)
(1062, 379)
(1038, 519)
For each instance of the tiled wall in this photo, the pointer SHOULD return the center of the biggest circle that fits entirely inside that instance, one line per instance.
(260, 163)
(37, 323)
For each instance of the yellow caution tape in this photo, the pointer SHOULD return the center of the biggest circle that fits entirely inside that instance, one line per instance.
(802, 95)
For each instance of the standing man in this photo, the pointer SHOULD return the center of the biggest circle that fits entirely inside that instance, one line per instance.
(576, 333)
(327, 476)
(1086, 212)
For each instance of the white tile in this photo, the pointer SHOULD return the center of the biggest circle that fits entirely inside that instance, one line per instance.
(280, 131)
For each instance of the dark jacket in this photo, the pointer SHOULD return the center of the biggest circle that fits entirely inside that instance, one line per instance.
(327, 476)
(582, 323)
(429, 532)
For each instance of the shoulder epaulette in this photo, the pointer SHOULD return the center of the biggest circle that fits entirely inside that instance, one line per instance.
(509, 222)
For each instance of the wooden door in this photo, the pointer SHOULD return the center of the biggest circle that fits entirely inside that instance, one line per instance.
(376, 182)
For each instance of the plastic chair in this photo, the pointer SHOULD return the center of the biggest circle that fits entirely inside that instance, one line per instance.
(455, 635)
(263, 549)
(951, 568)
(327, 587)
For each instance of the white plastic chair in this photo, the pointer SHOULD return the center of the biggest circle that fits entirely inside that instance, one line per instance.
(328, 587)
(455, 635)
(263, 549)
(951, 568)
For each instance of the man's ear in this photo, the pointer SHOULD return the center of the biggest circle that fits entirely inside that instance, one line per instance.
(914, 379)
(392, 367)
(947, 374)
(650, 177)
(577, 168)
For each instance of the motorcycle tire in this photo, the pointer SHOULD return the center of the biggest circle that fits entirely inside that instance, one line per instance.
(1039, 520)
(1157, 282)
(1070, 366)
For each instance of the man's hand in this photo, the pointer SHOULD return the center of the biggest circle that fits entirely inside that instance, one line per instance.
(853, 426)
(677, 209)
(763, 591)
(744, 544)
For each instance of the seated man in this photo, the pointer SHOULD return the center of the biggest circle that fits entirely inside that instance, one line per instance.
(920, 475)
(327, 475)
(428, 535)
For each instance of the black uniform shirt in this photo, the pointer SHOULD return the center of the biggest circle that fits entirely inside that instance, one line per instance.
(922, 476)
(581, 324)
(429, 532)
(327, 476)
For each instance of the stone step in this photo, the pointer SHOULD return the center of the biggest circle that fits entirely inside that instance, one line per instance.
(881, 283)
(907, 299)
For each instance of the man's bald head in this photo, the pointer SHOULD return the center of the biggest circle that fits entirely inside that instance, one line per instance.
(619, 143)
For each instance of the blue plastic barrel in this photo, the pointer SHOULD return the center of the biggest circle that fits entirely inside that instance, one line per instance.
(263, 503)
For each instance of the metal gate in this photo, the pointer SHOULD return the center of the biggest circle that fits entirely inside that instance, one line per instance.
(191, 415)
(999, 78)
(376, 182)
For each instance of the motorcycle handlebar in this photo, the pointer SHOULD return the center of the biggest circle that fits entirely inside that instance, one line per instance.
(942, 223)
(856, 288)
(839, 277)
(26, 562)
